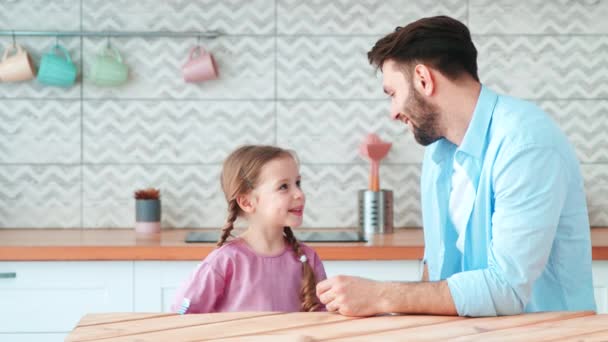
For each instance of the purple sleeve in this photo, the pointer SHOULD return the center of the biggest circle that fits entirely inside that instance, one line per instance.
(318, 268)
(200, 292)
(319, 274)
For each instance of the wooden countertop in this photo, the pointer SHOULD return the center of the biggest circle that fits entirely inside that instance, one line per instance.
(124, 244)
(321, 326)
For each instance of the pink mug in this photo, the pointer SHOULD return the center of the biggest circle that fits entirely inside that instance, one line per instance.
(199, 68)
(18, 67)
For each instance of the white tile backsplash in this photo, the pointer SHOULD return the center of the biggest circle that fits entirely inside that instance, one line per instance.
(293, 73)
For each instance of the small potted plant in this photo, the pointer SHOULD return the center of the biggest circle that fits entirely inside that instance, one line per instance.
(147, 211)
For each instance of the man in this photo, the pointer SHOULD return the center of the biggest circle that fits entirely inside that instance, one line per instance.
(505, 222)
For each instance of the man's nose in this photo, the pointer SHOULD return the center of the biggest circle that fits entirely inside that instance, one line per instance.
(395, 114)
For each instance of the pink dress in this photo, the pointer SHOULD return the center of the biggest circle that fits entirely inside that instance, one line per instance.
(235, 278)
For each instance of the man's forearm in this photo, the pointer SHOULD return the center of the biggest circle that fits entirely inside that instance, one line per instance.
(417, 298)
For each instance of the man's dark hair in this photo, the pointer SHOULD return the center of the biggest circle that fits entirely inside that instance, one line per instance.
(441, 42)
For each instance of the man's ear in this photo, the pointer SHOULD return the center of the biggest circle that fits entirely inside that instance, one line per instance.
(246, 202)
(424, 81)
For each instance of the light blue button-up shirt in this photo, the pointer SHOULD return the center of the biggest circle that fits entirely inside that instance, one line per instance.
(527, 239)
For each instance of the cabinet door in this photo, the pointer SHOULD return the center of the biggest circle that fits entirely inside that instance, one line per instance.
(384, 270)
(600, 285)
(156, 282)
(56, 337)
(50, 297)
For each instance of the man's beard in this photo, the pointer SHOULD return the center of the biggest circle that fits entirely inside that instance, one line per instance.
(425, 127)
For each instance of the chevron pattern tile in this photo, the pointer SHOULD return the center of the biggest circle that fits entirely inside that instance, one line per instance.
(228, 16)
(36, 47)
(190, 194)
(538, 17)
(39, 131)
(596, 187)
(586, 125)
(39, 196)
(246, 68)
(331, 131)
(166, 132)
(35, 14)
(327, 68)
(331, 193)
(294, 73)
(347, 17)
(548, 67)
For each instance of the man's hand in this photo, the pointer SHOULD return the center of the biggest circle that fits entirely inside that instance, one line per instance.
(354, 296)
(351, 296)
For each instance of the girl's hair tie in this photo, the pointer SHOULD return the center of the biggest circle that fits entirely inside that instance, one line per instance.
(303, 258)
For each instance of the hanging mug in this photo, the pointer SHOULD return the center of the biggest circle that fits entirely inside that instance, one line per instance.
(57, 69)
(199, 68)
(108, 68)
(18, 67)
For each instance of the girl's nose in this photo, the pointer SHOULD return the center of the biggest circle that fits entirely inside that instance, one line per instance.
(298, 193)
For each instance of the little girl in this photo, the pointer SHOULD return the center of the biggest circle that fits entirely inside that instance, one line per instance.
(265, 268)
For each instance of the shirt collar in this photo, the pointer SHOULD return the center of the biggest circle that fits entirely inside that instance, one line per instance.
(473, 142)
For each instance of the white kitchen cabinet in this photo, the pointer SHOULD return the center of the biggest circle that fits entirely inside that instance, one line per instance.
(43, 300)
(38, 337)
(155, 282)
(384, 270)
(600, 285)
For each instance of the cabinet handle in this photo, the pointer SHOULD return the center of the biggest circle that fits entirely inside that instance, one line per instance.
(8, 275)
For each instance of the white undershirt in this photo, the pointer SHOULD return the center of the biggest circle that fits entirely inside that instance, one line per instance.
(462, 197)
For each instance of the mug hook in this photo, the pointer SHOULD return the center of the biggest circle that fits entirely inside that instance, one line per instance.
(14, 40)
(56, 40)
(108, 42)
(198, 40)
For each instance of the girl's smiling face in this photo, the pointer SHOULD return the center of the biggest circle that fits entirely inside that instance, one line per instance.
(277, 199)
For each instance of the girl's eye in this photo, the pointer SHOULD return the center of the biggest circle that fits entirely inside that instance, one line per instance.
(298, 184)
(283, 187)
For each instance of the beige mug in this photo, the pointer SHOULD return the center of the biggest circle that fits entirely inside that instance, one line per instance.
(18, 67)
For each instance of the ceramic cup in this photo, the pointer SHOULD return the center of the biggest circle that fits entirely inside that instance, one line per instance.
(57, 69)
(108, 68)
(17, 67)
(201, 67)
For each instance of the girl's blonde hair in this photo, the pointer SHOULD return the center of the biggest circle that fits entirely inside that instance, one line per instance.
(240, 174)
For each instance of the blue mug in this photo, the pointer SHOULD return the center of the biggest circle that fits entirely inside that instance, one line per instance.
(57, 69)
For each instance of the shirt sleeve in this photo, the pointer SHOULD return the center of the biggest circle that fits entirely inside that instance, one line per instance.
(530, 186)
(319, 275)
(201, 292)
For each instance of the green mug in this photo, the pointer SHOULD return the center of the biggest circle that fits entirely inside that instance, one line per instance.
(108, 68)
(57, 69)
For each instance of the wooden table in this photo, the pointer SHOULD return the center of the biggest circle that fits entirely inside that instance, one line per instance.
(272, 326)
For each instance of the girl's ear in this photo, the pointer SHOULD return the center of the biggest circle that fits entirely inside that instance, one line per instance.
(246, 202)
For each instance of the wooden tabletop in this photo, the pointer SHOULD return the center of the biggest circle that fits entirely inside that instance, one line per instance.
(321, 326)
(124, 244)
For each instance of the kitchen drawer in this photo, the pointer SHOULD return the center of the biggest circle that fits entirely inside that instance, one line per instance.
(49, 297)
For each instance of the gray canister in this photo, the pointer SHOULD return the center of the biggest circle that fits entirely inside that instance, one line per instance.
(376, 211)
(147, 210)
